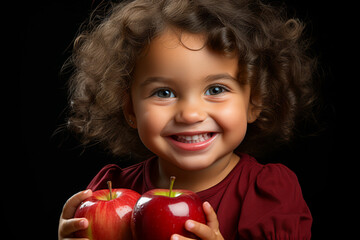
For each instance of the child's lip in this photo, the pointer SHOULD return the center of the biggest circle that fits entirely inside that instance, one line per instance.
(192, 133)
(192, 141)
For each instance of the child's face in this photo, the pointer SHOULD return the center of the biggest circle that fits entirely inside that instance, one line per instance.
(187, 105)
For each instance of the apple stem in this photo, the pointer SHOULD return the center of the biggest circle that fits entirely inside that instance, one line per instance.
(172, 181)
(110, 189)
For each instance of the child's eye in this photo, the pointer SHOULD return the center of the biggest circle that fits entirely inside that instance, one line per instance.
(164, 93)
(215, 90)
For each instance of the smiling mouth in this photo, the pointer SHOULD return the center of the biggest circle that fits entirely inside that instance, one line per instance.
(198, 138)
(192, 141)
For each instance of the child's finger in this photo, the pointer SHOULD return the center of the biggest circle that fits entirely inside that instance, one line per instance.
(72, 225)
(201, 230)
(179, 237)
(73, 202)
(211, 217)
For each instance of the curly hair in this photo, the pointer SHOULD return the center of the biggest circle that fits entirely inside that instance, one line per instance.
(270, 47)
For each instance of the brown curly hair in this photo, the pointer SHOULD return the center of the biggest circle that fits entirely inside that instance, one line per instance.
(269, 45)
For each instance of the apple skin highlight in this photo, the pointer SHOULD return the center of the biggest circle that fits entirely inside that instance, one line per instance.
(156, 216)
(109, 219)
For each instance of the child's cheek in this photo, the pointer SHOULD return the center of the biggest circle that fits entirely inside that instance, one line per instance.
(232, 119)
(150, 123)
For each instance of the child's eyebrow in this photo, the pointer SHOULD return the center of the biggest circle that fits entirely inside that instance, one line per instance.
(150, 80)
(215, 77)
(209, 78)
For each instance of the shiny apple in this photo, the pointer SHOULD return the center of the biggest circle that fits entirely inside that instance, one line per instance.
(159, 213)
(108, 213)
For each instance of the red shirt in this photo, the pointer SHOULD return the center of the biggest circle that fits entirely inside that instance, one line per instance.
(254, 201)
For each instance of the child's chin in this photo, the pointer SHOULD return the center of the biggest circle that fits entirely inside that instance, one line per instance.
(194, 163)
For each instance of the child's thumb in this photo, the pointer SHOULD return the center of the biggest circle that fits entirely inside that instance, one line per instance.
(73, 202)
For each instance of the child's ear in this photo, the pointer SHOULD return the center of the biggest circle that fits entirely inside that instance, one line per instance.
(128, 111)
(254, 110)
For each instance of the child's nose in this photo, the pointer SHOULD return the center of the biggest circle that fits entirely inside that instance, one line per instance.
(190, 112)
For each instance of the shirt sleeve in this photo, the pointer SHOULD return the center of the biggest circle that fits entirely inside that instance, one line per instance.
(109, 172)
(274, 207)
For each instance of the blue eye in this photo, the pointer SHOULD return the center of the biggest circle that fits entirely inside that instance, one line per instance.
(215, 90)
(164, 93)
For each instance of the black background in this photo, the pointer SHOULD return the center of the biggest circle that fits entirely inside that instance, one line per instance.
(54, 166)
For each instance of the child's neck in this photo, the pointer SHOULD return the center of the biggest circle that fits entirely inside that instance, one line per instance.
(197, 180)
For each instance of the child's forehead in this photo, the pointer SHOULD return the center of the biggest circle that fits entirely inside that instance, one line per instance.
(173, 38)
(174, 49)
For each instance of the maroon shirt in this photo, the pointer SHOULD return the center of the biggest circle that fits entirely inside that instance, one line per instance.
(254, 201)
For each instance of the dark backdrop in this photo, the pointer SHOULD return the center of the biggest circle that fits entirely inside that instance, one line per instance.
(54, 166)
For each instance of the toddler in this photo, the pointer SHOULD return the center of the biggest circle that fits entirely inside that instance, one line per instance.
(196, 86)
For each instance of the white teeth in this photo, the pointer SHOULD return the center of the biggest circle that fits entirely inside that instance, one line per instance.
(193, 138)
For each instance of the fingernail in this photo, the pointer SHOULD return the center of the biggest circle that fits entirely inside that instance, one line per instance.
(207, 205)
(87, 191)
(83, 223)
(175, 237)
(189, 224)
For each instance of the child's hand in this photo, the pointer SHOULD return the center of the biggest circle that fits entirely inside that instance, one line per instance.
(68, 224)
(205, 232)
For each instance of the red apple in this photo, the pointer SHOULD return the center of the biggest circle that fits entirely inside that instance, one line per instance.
(108, 213)
(159, 213)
